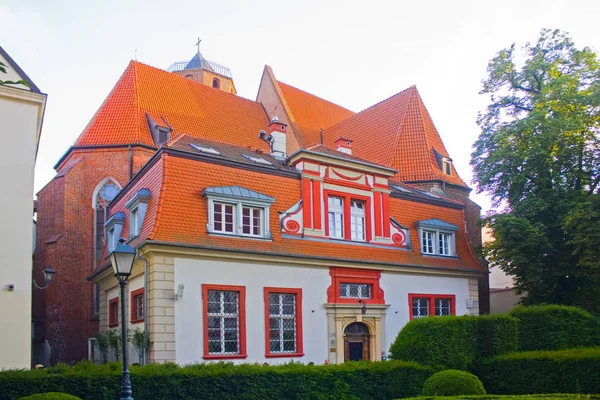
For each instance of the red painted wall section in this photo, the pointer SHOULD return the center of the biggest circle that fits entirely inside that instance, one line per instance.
(378, 219)
(306, 203)
(352, 275)
(386, 214)
(317, 203)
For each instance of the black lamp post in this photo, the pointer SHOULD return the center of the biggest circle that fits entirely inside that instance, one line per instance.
(122, 258)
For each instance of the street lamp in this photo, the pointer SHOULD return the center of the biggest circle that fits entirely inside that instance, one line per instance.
(48, 275)
(122, 258)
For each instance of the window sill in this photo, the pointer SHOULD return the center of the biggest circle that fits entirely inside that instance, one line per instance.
(283, 355)
(113, 325)
(136, 321)
(224, 356)
(232, 235)
(438, 255)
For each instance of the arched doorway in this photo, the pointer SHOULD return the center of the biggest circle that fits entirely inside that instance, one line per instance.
(356, 342)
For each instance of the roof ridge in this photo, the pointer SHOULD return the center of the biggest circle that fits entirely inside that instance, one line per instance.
(420, 111)
(161, 196)
(414, 90)
(320, 98)
(137, 101)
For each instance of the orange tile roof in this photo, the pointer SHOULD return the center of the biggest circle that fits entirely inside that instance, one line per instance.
(176, 215)
(311, 113)
(397, 132)
(187, 106)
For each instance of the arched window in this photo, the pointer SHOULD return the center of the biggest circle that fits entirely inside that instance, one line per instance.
(216, 83)
(106, 190)
(189, 76)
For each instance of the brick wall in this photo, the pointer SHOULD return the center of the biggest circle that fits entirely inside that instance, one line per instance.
(65, 240)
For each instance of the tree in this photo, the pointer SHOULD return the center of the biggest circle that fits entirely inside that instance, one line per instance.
(19, 82)
(538, 156)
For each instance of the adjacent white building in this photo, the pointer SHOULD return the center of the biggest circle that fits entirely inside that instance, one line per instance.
(21, 114)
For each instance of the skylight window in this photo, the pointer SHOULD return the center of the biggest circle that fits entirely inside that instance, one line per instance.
(429, 194)
(400, 189)
(204, 149)
(257, 160)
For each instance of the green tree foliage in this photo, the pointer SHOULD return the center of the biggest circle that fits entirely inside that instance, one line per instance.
(19, 82)
(538, 156)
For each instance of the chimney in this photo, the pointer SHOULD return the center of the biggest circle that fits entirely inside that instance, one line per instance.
(344, 145)
(276, 135)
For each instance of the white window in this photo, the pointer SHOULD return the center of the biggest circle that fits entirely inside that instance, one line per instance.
(443, 307)
(447, 166)
(336, 217)
(282, 323)
(427, 242)
(134, 223)
(444, 243)
(223, 217)
(112, 239)
(251, 221)
(357, 220)
(420, 307)
(234, 210)
(355, 291)
(223, 322)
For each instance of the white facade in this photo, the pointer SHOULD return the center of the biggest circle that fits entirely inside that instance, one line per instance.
(21, 113)
(318, 320)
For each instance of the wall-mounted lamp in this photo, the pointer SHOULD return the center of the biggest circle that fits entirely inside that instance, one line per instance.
(363, 309)
(48, 275)
(179, 293)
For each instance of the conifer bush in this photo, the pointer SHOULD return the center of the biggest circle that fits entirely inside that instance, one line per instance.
(452, 382)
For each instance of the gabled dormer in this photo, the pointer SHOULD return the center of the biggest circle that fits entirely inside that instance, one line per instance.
(344, 198)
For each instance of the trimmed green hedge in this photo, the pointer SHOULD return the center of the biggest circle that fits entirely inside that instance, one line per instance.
(555, 327)
(553, 396)
(567, 371)
(363, 380)
(455, 342)
(50, 396)
(452, 382)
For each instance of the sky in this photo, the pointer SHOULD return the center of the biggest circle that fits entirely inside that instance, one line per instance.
(353, 53)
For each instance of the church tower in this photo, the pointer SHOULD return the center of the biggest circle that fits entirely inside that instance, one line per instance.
(206, 72)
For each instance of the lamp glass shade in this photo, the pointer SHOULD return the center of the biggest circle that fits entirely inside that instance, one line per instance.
(48, 274)
(122, 259)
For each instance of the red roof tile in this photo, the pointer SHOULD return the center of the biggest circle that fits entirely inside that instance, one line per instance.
(176, 215)
(187, 106)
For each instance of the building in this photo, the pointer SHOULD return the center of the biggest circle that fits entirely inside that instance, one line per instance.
(21, 112)
(236, 201)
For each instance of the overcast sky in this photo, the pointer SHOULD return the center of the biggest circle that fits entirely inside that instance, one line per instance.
(354, 53)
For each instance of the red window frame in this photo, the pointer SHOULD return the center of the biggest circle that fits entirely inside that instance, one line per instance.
(348, 197)
(135, 318)
(431, 298)
(299, 338)
(354, 275)
(242, 309)
(113, 312)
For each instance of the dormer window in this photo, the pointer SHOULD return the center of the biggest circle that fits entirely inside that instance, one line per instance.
(137, 207)
(447, 166)
(113, 227)
(216, 83)
(437, 237)
(237, 211)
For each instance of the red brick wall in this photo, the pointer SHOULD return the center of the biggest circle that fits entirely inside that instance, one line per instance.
(64, 207)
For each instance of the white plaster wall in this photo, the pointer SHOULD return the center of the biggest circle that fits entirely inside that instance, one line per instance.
(188, 310)
(134, 284)
(18, 130)
(396, 288)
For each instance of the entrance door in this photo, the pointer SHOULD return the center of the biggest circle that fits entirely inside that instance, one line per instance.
(356, 342)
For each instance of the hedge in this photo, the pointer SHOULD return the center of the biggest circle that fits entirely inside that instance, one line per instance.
(554, 396)
(567, 371)
(362, 380)
(555, 327)
(452, 382)
(455, 342)
(50, 396)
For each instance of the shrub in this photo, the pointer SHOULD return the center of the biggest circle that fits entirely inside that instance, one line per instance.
(553, 396)
(369, 380)
(452, 383)
(50, 396)
(555, 327)
(455, 342)
(567, 371)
